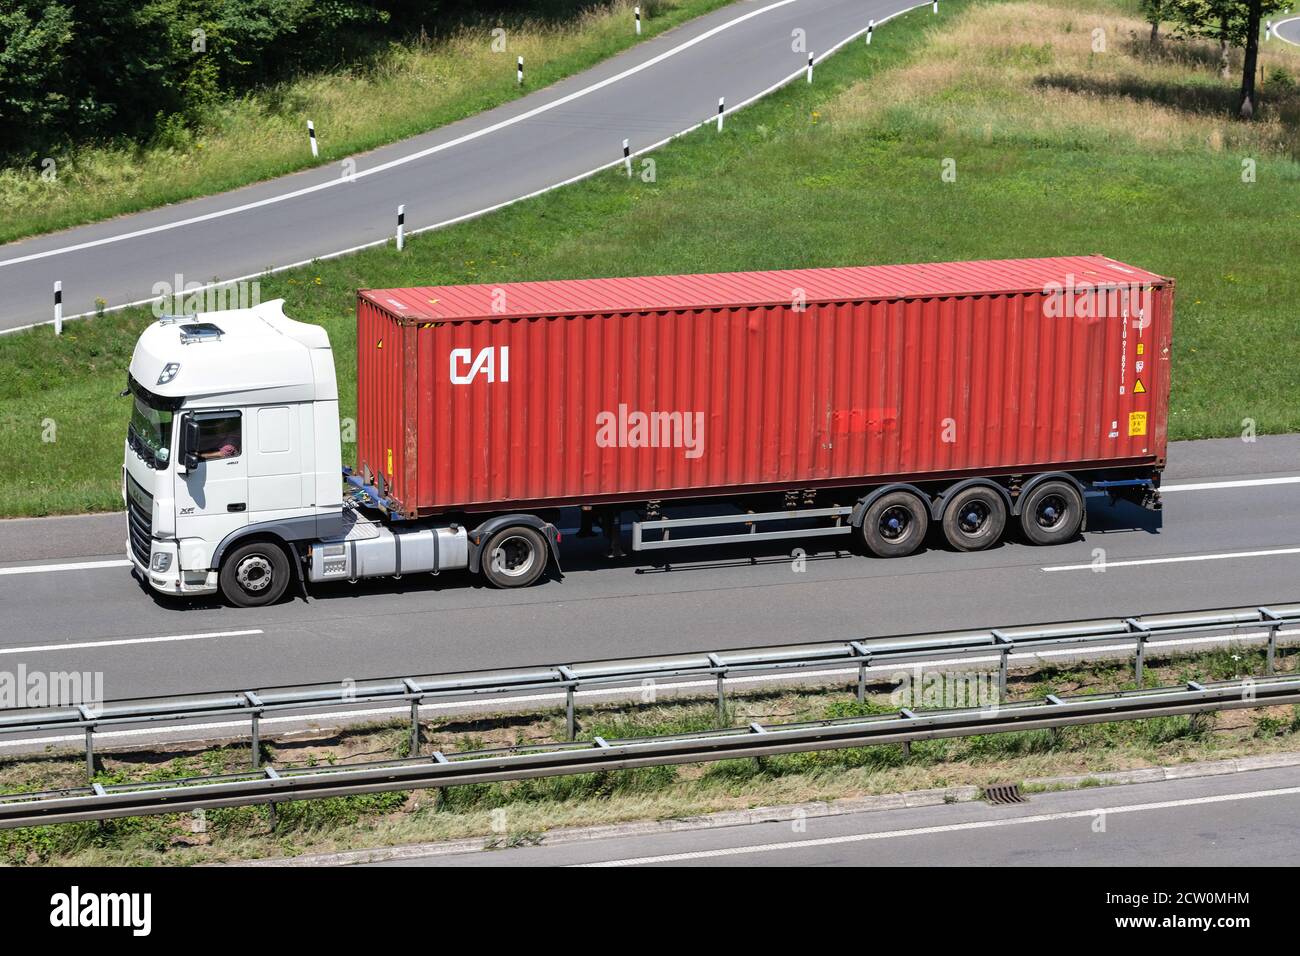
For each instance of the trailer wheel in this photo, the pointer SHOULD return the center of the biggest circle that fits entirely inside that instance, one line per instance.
(974, 518)
(1051, 513)
(895, 524)
(255, 574)
(514, 557)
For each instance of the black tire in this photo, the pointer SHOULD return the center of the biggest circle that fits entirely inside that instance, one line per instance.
(895, 525)
(1051, 513)
(255, 574)
(514, 557)
(974, 518)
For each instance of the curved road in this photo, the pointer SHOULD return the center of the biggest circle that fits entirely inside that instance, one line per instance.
(1288, 30)
(646, 95)
(1230, 536)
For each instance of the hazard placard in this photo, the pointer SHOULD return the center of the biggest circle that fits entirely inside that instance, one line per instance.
(1138, 387)
(1137, 424)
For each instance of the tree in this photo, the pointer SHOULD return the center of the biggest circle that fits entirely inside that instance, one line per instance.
(1254, 14)
(1232, 23)
(1154, 11)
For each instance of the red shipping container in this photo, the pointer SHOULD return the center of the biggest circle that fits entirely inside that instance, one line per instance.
(536, 394)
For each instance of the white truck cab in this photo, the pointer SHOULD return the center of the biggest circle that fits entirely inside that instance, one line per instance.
(234, 440)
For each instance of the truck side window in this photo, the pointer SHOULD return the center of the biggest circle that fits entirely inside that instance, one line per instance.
(219, 437)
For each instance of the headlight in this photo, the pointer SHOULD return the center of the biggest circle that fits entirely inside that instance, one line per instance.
(161, 561)
(169, 372)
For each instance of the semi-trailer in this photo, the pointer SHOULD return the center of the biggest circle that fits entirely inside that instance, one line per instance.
(872, 402)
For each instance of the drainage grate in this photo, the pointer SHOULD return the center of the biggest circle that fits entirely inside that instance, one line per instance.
(1004, 793)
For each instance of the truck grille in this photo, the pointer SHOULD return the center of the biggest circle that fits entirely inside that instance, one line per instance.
(139, 520)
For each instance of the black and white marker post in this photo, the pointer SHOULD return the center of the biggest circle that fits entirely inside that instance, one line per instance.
(810, 66)
(627, 159)
(58, 308)
(936, 6)
(871, 28)
(637, 12)
(519, 70)
(401, 227)
(722, 105)
(311, 135)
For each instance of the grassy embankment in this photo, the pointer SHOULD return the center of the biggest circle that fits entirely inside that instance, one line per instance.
(1058, 149)
(515, 813)
(407, 89)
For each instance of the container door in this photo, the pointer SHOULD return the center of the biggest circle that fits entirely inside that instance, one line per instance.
(212, 499)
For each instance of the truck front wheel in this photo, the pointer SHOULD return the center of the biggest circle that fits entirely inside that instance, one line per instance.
(255, 574)
(514, 557)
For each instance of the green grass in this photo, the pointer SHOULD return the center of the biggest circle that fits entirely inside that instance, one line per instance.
(408, 89)
(821, 175)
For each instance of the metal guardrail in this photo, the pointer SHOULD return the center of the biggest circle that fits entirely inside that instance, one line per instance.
(305, 700)
(99, 802)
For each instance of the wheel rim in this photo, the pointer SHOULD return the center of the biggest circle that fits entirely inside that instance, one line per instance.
(253, 573)
(514, 556)
(895, 522)
(1051, 512)
(974, 517)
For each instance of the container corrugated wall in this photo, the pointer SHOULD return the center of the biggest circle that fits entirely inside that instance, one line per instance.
(756, 398)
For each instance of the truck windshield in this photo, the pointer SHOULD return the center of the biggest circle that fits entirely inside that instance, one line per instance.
(150, 432)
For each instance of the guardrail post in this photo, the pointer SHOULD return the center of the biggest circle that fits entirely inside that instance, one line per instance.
(1139, 655)
(570, 691)
(717, 662)
(1274, 623)
(256, 703)
(413, 688)
(1003, 663)
(90, 740)
(415, 728)
(861, 650)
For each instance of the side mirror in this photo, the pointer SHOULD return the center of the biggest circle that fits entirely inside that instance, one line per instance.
(189, 456)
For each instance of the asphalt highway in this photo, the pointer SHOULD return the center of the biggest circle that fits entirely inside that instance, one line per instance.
(1230, 535)
(1242, 819)
(645, 95)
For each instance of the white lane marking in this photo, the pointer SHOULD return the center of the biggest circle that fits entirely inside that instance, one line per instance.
(1243, 483)
(947, 828)
(210, 728)
(486, 209)
(410, 157)
(77, 566)
(1223, 556)
(122, 642)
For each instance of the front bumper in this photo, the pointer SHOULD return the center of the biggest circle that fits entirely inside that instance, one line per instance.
(173, 580)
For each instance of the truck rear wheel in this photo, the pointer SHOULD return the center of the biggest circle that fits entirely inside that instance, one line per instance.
(514, 557)
(255, 574)
(1051, 513)
(895, 524)
(974, 518)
